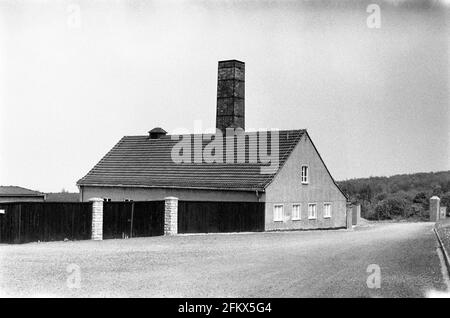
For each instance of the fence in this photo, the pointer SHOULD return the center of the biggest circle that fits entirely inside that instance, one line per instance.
(133, 219)
(210, 217)
(44, 221)
(52, 221)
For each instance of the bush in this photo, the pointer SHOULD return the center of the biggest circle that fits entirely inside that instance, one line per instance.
(391, 208)
(445, 200)
(366, 210)
(371, 215)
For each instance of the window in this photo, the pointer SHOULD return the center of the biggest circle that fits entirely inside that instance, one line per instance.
(305, 177)
(296, 211)
(278, 212)
(312, 211)
(327, 210)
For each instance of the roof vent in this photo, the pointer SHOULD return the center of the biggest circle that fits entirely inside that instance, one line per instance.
(157, 133)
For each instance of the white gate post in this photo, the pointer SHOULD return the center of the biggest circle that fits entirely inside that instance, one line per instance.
(170, 216)
(97, 219)
(434, 208)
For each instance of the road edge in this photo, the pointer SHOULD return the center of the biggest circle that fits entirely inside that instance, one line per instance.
(444, 250)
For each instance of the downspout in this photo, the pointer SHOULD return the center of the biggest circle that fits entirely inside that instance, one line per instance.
(257, 194)
(80, 189)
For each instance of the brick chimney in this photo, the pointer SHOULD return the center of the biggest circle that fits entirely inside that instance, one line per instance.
(230, 95)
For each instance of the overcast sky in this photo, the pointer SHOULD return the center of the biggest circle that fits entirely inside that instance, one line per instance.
(76, 76)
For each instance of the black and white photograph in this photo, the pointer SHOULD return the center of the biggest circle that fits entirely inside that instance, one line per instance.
(224, 154)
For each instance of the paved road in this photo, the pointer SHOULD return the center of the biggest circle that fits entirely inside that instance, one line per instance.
(286, 264)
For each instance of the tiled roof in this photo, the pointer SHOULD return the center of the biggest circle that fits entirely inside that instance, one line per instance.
(143, 162)
(6, 191)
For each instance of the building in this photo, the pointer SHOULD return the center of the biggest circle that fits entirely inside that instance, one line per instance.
(19, 194)
(283, 169)
(62, 197)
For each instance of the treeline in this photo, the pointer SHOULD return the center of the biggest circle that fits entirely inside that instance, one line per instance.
(399, 196)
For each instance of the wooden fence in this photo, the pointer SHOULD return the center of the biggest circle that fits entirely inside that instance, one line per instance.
(55, 221)
(44, 221)
(133, 219)
(215, 217)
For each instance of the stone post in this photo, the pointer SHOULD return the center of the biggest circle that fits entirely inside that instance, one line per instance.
(170, 216)
(434, 208)
(97, 219)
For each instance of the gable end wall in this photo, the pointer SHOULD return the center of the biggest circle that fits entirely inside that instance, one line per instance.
(287, 189)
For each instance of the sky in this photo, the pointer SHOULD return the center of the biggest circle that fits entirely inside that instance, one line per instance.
(76, 76)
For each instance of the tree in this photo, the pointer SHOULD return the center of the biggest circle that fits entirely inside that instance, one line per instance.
(445, 200)
(381, 196)
(437, 190)
(412, 190)
(366, 193)
(421, 197)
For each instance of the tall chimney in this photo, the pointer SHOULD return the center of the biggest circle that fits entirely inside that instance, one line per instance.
(230, 95)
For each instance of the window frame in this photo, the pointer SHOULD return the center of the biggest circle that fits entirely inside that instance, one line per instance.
(282, 212)
(299, 212)
(309, 215)
(331, 213)
(306, 181)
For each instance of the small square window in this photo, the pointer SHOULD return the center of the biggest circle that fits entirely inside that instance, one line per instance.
(305, 174)
(327, 210)
(312, 211)
(296, 211)
(278, 212)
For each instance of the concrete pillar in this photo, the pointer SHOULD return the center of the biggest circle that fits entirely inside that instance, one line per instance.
(170, 216)
(349, 217)
(434, 208)
(97, 219)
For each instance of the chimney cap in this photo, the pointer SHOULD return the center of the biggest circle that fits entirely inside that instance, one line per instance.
(233, 60)
(231, 63)
(157, 132)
